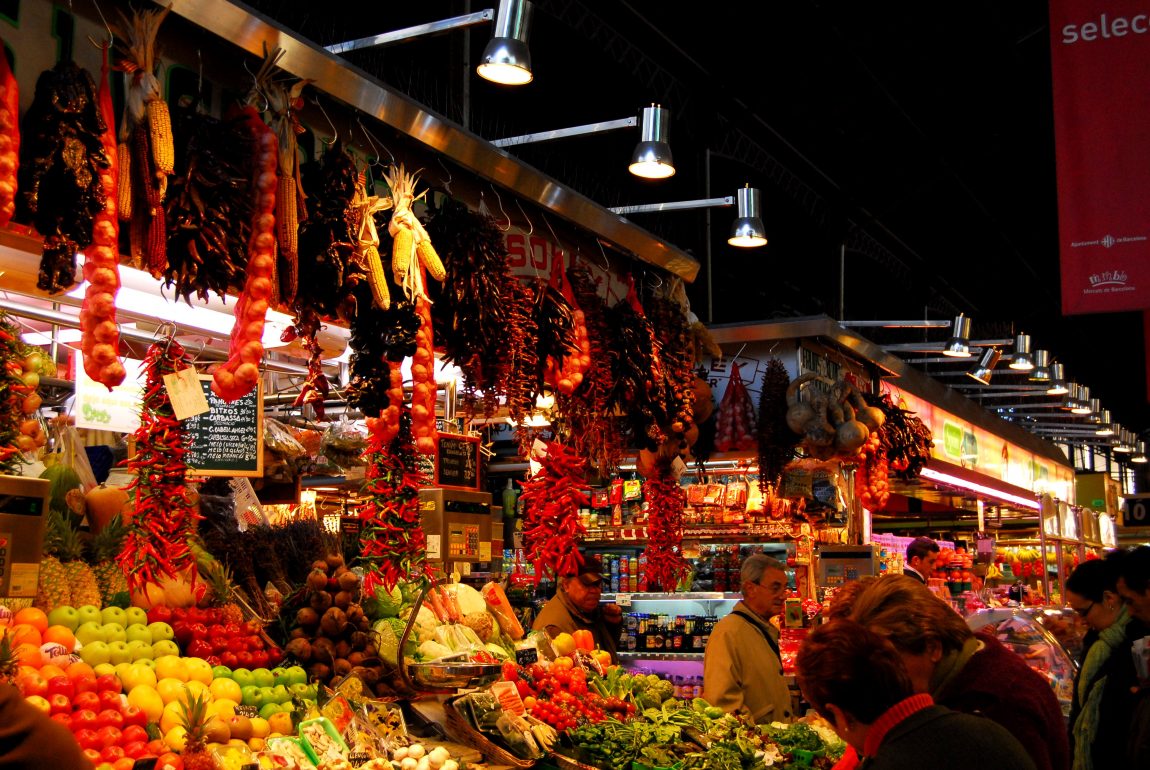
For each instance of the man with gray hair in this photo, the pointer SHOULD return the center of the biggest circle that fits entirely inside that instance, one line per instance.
(742, 665)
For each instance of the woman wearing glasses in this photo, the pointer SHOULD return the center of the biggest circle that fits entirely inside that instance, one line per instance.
(1103, 702)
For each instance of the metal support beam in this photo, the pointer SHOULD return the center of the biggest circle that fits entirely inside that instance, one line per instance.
(701, 203)
(563, 133)
(419, 30)
(929, 346)
(900, 324)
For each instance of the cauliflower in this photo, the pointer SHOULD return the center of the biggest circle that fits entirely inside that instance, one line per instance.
(425, 624)
(431, 650)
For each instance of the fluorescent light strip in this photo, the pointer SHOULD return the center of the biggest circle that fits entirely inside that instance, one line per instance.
(955, 481)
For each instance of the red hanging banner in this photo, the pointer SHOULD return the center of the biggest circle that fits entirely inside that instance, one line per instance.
(1100, 61)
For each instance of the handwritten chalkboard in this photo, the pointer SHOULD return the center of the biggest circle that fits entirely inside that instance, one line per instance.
(457, 461)
(228, 439)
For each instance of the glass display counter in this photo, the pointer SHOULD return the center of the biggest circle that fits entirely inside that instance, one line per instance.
(1048, 639)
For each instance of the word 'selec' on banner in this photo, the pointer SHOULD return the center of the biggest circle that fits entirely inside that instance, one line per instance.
(1136, 510)
(1100, 63)
(228, 439)
(457, 461)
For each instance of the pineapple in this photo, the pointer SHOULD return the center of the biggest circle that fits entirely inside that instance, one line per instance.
(8, 660)
(54, 589)
(194, 720)
(219, 579)
(105, 546)
(80, 577)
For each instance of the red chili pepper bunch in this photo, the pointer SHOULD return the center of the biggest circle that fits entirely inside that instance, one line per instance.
(665, 501)
(551, 500)
(165, 515)
(393, 546)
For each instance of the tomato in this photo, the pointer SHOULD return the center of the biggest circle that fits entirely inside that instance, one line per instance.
(510, 671)
(135, 749)
(584, 640)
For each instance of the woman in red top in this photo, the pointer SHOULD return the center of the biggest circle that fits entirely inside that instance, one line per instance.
(857, 681)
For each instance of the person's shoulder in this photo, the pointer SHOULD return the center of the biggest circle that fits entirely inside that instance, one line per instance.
(952, 732)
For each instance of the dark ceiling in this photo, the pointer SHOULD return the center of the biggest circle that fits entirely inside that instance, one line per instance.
(916, 136)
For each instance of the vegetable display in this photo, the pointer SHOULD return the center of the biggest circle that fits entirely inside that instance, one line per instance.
(156, 544)
(61, 159)
(100, 336)
(551, 500)
(19, 401)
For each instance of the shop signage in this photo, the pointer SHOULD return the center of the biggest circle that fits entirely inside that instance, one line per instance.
(1136, 511)
(969, 446)
(98, 408)
(228, 439)
(457, 461)
(1100, 63)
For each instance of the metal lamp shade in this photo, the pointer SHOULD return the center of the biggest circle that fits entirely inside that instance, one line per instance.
(1139, 453)
(1125, 442)
(1022, 361)
(748, 232)
(1041, 370)
(1104, 426)
(1095, 409)
(506, 59)
(1057, 381)
(985, 369)
(958, 346)
(1082, 403)
(652, 156)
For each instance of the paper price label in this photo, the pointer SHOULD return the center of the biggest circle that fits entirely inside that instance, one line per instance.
(623, 600)
(185, 393)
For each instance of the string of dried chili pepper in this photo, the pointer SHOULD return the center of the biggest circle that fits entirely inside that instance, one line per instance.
(551, 501)
(665, 502)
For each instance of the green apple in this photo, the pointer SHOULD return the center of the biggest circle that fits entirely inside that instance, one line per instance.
(114, 615)
(251, 696)
(89, 632)
(299, 690)
(95, 652)
(221, 672)
(120, 652)
(161, 631)
(280, 694)
(165, 647)
(89, 613)
(243, 677)
(261, 677)
(296, 675)
(138, 632)
(268, 709)
(64, 616)
(103, 669)
(136, 615)
(115, 632)
(281, 675)
(147, 662)
(140, 649)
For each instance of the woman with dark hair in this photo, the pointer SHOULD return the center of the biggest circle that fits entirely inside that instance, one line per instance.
(856, 680)
(1103, 701)
(962, 670)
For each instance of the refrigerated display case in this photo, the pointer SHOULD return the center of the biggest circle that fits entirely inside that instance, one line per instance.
(1049, 639)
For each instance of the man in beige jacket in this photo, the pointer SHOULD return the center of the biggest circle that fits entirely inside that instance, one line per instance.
(742, 668)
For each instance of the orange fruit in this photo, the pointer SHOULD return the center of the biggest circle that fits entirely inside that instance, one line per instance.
(33, 617)
(60, 635)
(49, 670)
(24, 633)
(28, 654)
(79, 669)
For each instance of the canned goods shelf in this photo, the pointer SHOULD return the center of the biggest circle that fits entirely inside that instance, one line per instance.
(697, 596)
(660, 656)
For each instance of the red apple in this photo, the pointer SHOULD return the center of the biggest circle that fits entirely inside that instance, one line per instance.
(135, 749)
(58, 703)
(86, 700)
(32, 684)
(229, 659)
(110, 700)
(61, 685)
(85, 683)
(111, 751)
(85, 719)
(108, 682)
(92, 755)
(134, 716)
(88, 739)
(135, 732)
(63, 718)
(111, 718)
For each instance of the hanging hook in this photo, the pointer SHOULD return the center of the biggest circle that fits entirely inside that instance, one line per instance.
(334, 130)
(606, 261)
(371, 140)
(257, 88)
(107, 27)
(442, 165)
(554, 237)
(501, 209)
(530, 224)
(658, 285)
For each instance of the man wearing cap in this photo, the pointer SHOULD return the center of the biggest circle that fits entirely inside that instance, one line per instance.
(920, 557)
(742, 665)
(576, 606)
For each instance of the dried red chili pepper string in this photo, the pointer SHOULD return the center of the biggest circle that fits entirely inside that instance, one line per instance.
(665, 502)
(165, 516)
(393, 546)
(551, 500)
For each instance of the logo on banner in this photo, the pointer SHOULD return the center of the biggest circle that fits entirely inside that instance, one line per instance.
(1108, 282)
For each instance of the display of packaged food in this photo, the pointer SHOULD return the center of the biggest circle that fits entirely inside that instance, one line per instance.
(339, 711)
(292, 750)
(231, 757)
(321, 740)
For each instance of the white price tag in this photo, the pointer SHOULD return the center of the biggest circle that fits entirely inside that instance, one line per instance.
(623, 600)
(434, 546)
(185, 393)
(678, 468)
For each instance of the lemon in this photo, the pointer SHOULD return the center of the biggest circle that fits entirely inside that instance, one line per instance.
(260, 727)
(171, 667)
(176, 738)
(198, 670)
(225, 688)
(170, 717)
(146, 699)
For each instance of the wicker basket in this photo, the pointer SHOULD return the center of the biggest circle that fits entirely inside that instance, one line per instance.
(461, 730)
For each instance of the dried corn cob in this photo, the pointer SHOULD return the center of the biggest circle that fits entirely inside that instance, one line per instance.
(124, 183)
(430, 260)
(377, 278)
(401, 253)
(160, 130)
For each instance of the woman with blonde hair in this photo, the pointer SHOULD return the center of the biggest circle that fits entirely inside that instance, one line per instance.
(962, 670)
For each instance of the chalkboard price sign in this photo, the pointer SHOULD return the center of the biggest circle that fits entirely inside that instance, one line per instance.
(457, 461)
(228, 439)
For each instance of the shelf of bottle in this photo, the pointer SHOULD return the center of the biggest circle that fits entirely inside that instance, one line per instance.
(683, 656)
(745, 532)
(689, 596)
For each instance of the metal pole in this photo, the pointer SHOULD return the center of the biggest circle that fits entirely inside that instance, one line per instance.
(842, 280)
(707, 231)
(466, 116)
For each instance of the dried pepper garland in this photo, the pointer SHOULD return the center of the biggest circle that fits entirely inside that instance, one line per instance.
(676, 348)
(521, 343)
(776, 440)
(638, 373)
(551, 500)
(156, 545)
(665, 501)
(393, 545)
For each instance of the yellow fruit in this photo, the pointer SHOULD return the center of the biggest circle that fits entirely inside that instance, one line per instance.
(260, 727)
(171, 667)
(223, 708)
(280, 724)
(563, 644)
(138, 674)
(198, 670)
(257, 744)
(170, 689)
(101, 669)
(216, 731)
(170, 718)
(225, 688)
(176, 738)
(146, 699)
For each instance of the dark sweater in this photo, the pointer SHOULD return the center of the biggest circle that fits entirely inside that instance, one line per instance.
(940, 739)
(29, 740)
(998, 684)
(1118, 704)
